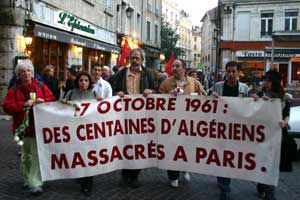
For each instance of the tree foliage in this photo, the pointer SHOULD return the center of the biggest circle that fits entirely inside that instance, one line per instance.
(169, 39)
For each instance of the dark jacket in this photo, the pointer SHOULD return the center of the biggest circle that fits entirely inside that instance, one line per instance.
(146, 82)
(52, 84)
(288, 144)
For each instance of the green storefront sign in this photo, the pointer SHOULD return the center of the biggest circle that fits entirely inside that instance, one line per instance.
(74, 23)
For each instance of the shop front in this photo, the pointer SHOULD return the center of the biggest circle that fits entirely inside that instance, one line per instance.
(255, 63)
(62, 39)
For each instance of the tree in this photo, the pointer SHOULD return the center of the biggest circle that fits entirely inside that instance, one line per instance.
(169, 39)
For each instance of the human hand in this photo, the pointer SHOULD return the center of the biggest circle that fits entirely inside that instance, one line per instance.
(28, 103)
(255, 97)
(121, 94)
(266, 98)
(99, 98)
(215, 95)
(282, 123)
(39, 100)
(147, 92)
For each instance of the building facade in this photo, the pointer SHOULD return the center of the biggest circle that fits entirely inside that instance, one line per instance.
(181, 22)
(261, 35)
(151, 32)
(208, 41)
(75, 32)
(196, 48)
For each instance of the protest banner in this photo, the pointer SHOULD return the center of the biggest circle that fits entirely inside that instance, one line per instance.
(226, 136)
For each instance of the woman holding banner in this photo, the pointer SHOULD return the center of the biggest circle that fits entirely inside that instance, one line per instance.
(20, 98)
(83, 89)
(273, 89)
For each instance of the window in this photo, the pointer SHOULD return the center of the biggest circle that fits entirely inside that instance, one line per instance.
(148, 30)
(195, 39)
(195, 46)
(149, 4)
(138, 24)
(291, 21)
(107, 4)
(266, 24)
(195, 57)
(157, 7)
(156, 33)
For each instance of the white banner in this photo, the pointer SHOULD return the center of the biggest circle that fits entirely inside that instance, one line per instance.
(228, 137)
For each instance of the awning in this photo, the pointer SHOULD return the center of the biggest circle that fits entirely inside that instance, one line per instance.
(63, 36)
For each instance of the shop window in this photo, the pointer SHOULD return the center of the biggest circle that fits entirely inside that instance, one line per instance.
(50, 52)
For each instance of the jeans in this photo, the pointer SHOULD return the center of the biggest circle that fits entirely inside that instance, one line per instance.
(173, 175)
(224, 184)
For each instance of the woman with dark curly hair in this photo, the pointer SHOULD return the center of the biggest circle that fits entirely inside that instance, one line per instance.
(272, 88)
(83, 89)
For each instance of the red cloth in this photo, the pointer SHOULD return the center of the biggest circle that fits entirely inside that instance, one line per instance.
(125, 53)
(168, 66)
(15, 98)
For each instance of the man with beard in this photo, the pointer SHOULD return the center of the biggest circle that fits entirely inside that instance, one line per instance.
(179, 83)
(133, 80)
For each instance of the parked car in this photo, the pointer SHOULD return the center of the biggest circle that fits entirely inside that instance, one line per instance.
(294, 122)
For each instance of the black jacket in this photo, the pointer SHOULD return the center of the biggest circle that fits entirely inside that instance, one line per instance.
(119, 81)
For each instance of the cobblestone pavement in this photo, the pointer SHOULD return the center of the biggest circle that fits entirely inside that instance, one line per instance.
(155, 183)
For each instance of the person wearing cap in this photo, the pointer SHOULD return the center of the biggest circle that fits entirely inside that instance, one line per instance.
(272, 88)
(51, 81)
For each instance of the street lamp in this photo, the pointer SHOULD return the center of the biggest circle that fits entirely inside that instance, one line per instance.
(129, 12)
(162, 57)
(28, 41)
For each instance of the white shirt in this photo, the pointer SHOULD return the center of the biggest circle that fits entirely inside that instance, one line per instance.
(102, 89)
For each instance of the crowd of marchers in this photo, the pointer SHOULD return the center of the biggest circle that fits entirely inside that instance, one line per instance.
(27, 89)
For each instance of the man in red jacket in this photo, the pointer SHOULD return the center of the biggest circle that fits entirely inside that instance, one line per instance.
(18, 102)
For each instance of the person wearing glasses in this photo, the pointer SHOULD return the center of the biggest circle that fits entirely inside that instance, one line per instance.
(135, 79)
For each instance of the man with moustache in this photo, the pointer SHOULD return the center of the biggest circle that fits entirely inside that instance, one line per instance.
(135, 79)
(179, 83)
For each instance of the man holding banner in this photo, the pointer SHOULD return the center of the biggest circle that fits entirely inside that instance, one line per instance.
(133, 80)
(179, 83)
(231, 87)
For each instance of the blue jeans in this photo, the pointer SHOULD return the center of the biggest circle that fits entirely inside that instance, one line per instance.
(224, 184)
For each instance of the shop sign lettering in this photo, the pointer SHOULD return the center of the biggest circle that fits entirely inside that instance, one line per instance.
(74, 23)
(260, 54)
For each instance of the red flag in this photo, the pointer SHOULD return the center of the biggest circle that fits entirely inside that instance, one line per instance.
(125, 53)
(168, 66)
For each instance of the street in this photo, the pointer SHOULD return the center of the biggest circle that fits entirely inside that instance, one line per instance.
(155, 185)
